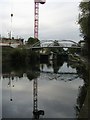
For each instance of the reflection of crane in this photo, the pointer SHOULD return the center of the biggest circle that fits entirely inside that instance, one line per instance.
(36, 112)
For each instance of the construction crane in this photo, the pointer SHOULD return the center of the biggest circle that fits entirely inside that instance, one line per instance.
(36, 112)
(36, 16)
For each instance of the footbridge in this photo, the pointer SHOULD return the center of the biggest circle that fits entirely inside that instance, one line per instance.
(55, 44)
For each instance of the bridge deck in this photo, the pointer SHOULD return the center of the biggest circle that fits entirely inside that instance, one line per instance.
(41, 47)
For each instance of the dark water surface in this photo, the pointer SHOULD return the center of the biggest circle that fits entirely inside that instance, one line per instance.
(57, 91)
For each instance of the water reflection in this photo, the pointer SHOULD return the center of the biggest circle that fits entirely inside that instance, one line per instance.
(56, 90)
(84, 74)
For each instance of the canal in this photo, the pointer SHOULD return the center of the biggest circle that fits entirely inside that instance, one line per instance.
(58, 84)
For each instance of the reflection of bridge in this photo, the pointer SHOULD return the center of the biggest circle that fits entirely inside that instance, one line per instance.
(65, 76)
(8, 75)
(55, 44)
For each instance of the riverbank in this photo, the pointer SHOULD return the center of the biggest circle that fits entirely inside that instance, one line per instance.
(84, 111)
(18, 56)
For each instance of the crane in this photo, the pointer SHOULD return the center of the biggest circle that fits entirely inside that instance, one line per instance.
(36, 112)
(36, 16)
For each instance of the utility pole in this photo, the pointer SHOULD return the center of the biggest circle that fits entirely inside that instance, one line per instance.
(11, 26)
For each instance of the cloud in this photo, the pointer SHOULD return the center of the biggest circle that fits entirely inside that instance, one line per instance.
(57, 19)
(60, 21)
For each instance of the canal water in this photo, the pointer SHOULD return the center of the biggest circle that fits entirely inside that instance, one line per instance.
(58, 90)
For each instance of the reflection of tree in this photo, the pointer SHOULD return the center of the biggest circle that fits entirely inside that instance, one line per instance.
(72, 65)
(19, 70)
(83, 73)
(32, 75)
(81, 98)
(56, 65)
(49, 65)
(6, 68)
(42, 66)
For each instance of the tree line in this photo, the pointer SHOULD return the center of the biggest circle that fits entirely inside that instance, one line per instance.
(84, 22)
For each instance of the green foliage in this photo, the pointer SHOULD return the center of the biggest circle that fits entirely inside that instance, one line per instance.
(32, 56)
(6, 52)
(84, 26)
(84, 18)
(18, 56)
(32, 75)
(84, 6)
(32, 41)
(71, 50)
(84, 21)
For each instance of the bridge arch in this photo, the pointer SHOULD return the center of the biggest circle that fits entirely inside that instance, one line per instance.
(50, 43)
(69, 41)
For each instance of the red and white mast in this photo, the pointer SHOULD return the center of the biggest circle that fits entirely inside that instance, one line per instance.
(36, 19)
(36, 16)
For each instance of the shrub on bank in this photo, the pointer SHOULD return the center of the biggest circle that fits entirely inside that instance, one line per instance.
(17, 56)
(23, 56)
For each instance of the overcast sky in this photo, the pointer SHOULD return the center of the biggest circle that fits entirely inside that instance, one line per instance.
(57, 19)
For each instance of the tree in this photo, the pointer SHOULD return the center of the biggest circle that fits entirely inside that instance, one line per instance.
(84, 18)
(84, 21)
(32, 41)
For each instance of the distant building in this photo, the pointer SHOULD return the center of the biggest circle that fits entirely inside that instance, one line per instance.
(11, 42)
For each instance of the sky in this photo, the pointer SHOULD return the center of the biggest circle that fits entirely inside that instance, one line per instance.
(57, 19)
